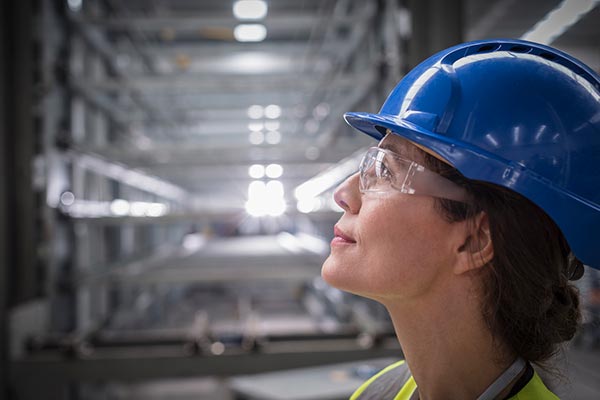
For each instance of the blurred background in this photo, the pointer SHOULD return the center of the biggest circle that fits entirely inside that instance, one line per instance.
(166, 193)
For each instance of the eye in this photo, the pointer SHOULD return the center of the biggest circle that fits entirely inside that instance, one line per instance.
(382, 170)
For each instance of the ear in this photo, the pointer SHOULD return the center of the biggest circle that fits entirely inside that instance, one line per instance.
(477, 249)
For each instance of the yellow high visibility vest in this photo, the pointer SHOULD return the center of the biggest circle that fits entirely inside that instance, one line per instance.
(395, 382)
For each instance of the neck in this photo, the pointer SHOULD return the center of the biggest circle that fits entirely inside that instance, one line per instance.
(445, 341)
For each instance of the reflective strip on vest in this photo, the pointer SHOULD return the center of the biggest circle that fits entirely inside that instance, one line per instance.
(395, 382)
(387, 384)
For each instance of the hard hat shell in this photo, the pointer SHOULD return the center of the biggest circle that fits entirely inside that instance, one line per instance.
(514, 113)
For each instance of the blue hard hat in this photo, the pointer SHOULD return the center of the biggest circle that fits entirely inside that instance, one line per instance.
(514, 113)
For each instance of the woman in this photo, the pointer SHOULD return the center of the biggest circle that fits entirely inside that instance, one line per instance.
(468, 220)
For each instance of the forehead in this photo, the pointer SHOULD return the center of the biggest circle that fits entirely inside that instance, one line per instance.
(406, 148)
(401, 146)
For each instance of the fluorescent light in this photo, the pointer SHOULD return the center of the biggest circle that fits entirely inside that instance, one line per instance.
(557, 21)
(265, 199)
(257, 138)
(156, 209)
(250, 33)
(255, 111)
(119, 207)
(272, 111)
(256, 126)
(273, 137)
(274, 170)
(250, 9)
(275, 188)
(256, 171)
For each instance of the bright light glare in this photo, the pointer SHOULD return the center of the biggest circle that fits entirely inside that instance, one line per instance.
(255, 126)
(119, 207)
(156, 210)
(274, 170)
(256, 171)
(308, 205)
(273, 137)
(272, 111)
(265, 199)
(256, 138)
(255, 111)
(138, 209)
(250, 9)
(557, 21)
(75, 5)
(250, 33)
(275, 188)
(193, 241)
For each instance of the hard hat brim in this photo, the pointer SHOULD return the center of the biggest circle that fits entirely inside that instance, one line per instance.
(475, 163)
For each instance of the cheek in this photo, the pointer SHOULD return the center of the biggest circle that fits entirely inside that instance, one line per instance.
(400, 252)
(396, 248)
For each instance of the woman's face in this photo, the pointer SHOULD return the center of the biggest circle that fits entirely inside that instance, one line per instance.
(389, 245)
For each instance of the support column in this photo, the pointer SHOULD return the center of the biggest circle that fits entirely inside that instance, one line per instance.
(436, 25)
(4, 259)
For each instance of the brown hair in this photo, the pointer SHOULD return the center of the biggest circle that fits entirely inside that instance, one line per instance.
(528, 301)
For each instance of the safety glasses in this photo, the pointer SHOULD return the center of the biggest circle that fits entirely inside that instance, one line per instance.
(382, 170)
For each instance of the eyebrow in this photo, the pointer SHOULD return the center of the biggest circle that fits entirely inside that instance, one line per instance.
(402, 149)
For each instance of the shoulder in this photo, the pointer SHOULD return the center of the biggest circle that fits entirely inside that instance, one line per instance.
(385, 384)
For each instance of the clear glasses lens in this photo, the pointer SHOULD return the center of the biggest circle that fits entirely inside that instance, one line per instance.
(380, 172)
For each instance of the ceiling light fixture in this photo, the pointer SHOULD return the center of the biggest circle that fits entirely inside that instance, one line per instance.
(256, 171)
(256, 137)
(274, 170)
(255, 112)
(250, 9)
(250, 33)
(265, 199)
(272, 111)
(273, 137)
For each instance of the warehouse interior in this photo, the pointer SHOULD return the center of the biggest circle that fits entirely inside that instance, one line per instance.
(167, 196)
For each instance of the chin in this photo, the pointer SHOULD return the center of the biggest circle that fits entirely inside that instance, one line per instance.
(338, 275)
(334, 274)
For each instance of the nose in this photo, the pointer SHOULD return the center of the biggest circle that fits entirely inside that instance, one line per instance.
(347, 195)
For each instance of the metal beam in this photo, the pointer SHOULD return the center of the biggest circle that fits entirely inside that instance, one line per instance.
(96, 39)
(280, 23)
(146, 364)
(193, 217)
(486, 22)
(129, 176)
(436, 25)
(21, 136)
(213, 83)
(284, 48)
(197, 101)
(4, 194)
(102, 102)
(205, 153)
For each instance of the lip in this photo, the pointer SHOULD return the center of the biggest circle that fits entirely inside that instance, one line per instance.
(341, 237)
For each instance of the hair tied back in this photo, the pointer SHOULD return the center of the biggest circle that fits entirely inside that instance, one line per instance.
(574, 268)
